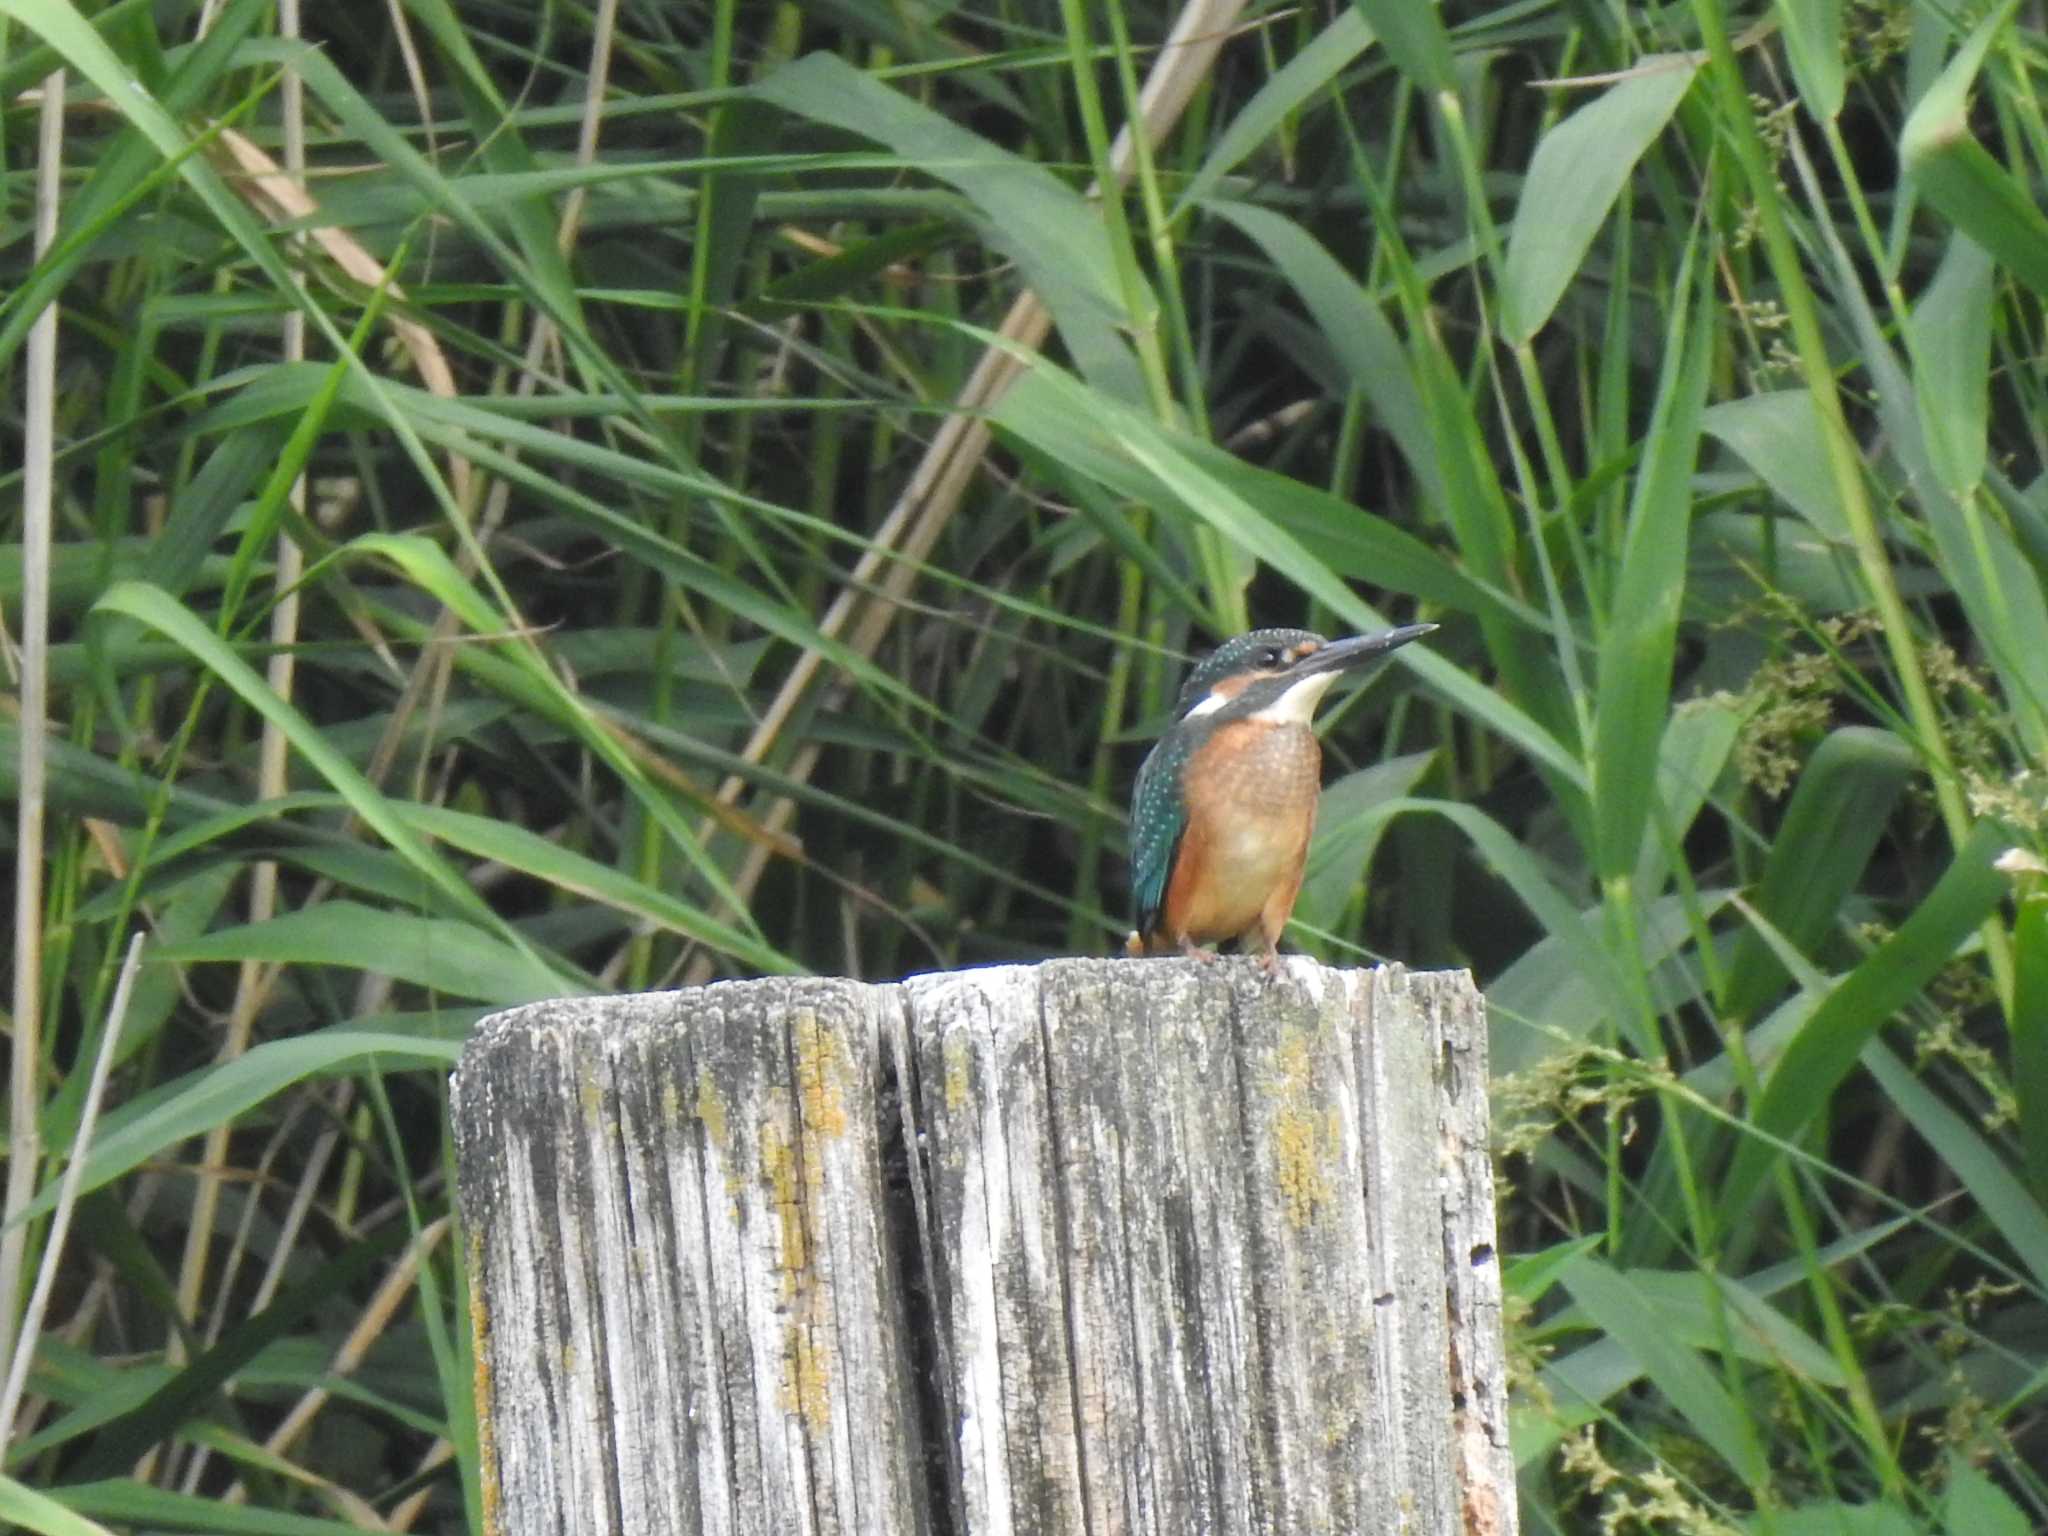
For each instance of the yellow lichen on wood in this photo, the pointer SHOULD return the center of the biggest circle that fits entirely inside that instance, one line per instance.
(779, 1167)
(807, 1376)
(489, 1477)
(1306, 1142)
(959, 1080)
(819, 1067)
(710, 1109)
(795, 1171)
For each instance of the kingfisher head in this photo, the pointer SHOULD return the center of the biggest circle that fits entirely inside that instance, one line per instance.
(1279, 675)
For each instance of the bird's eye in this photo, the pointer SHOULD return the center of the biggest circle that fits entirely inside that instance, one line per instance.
(1270, 656)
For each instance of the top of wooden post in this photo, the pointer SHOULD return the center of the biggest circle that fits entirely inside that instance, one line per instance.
(1135, 1246)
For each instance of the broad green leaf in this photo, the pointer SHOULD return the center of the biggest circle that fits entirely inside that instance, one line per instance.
(1758, 1331)
(1838, 812)
(1528, 1277)
(1803, 1082)
(133, 1133)
(1581, 1383)
(1813, 47)
(1632, 1317)
(1636, 652)
(1346, 37)
(1057, 240)
(1577, 172)
(1973, 1505)
(1547, 1001)
(1524, 874)
(1345, 838)
(452, 959)
(1778, 434)
(1358, 544)
(1949, 338)
(567, 870)
(1961, 178)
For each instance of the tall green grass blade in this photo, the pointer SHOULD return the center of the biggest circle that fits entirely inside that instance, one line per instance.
(1547, 1002)
(1057, 241)
(1413, 34)
(150, 606)
(1742, 1317)
(1778, 434)
(1061, 416)
(1805, 1077)
(1310, 71)
(1836, 1517)
(1690, 760)
(1637, 649)
(1961, 179)
(2018, 1215)
(1577, 172)
(2005, 602)
(1949, 337)
(160, 1415)
(2030, 1034)
(566, 870)
(1347, 835)
(447, 958)
(1630, 1317)
(1364, 546)
(1355, 329)
(185, 1107)
(23, 1508)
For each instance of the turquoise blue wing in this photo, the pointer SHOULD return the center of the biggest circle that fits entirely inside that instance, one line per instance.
(1159, 815)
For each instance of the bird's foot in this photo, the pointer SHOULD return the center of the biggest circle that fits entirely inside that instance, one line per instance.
(1269, 962)
(1195, 951)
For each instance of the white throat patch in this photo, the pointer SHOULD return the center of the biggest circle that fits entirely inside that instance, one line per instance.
(1297, 706)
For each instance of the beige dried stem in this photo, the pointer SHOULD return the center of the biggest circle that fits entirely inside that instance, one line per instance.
(867, 605)
(67, 1193)
(24, 1143)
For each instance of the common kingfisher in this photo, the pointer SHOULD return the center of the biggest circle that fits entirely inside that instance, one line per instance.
(1225, 801)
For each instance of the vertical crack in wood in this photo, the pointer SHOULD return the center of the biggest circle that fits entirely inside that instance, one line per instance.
(1483, 1460)
(1261, 1379)
(923, 1278)
(1069, 1299)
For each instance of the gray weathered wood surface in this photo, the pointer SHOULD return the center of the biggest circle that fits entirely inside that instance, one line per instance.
(1178, 1251)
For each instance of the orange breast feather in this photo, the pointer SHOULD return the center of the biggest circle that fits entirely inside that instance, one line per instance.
(1251, 793)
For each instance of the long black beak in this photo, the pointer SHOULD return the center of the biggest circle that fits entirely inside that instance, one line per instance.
(1340, 655)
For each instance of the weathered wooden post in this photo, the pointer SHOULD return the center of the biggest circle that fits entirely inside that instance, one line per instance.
(1092, 1246)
